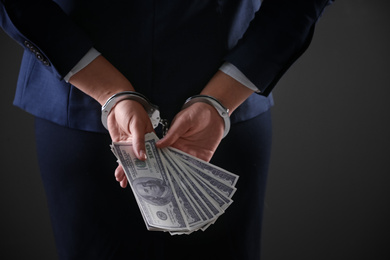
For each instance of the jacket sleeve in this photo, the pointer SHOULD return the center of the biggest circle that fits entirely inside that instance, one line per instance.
(44, 29)
(278, 35)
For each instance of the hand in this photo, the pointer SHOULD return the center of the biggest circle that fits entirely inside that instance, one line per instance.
(196, 130)
(128, 121)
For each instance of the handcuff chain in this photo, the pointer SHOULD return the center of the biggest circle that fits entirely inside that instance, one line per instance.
(165, 126)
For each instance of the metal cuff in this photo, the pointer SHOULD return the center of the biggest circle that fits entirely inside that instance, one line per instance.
(151, 109)
(222, 111)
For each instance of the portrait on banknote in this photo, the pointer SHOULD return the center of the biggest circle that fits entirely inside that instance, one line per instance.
(154, 190)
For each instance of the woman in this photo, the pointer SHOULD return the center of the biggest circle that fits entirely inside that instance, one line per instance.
(81, 55)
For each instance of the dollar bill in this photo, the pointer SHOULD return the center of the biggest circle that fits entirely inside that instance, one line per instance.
(151, 187)
(176, 192)
(207, 203)
(224, 176)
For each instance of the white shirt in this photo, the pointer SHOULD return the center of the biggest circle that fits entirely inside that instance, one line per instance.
(226, 68)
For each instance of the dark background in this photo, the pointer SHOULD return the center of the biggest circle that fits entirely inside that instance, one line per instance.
(329, 180)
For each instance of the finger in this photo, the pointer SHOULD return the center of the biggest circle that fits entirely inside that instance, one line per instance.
(176, 131)
(167, 140)
(119, 173)
(204, 155)
(123, 183)
(138, 141)
(121, 176)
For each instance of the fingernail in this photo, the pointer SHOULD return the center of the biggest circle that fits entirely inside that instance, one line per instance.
(143, 155)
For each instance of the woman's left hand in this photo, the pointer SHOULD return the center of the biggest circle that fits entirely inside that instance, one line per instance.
(196, 130)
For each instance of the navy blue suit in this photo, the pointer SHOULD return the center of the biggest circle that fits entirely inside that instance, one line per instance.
(168, 50)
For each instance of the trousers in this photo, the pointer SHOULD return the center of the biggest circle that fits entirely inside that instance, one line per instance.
(94, 218)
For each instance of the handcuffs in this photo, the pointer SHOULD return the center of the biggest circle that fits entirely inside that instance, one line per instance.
(154, 112)
(222, 111)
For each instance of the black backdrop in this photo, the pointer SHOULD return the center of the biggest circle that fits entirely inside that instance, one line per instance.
(328, 192)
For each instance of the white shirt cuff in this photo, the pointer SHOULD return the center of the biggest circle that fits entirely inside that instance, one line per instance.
(87, 59)
(236, 74)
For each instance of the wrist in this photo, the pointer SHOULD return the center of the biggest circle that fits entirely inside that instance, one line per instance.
(151, 109)
(227, 91)
(100, 80)
(221, 109)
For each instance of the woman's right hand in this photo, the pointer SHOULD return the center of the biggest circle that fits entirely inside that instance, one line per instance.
(129, 122)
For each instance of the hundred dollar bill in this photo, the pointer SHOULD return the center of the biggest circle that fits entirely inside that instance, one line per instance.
(222, 200)
(208, 208)
(222, 175)
(189, 211)
(227, 190)
(175, 191)
(152, 188)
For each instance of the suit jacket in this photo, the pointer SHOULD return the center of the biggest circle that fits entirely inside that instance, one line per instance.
(168, 49)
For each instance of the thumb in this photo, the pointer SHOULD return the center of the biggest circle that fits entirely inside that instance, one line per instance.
(169, 139)
(174, 133)
(138, 140)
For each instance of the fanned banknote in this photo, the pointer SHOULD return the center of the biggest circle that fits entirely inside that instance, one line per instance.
(176, 192)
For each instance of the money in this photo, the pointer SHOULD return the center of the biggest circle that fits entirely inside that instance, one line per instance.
(175, 192)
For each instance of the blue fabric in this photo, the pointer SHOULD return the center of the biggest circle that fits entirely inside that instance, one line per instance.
(168, 50)
(93, 218)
